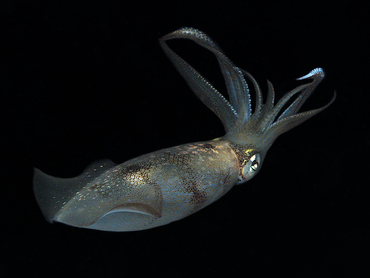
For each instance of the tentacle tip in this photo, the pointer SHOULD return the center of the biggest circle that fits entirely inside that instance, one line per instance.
(269, 82)
(331, 101)
(334, 97)
(317, 73)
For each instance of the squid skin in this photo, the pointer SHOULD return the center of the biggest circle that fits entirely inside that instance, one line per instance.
(167, 185)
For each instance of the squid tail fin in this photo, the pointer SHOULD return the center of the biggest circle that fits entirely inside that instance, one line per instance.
(53, 193)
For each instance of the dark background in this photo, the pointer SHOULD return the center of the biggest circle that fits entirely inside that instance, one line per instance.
(86, 80)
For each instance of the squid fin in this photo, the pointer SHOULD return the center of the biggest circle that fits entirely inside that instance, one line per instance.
(52, 193)
(100, 190)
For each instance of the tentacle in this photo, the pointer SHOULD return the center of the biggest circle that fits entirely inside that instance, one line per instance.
(236, 86)
(264, 127)
(267, 107)
(235, 83)
(236, 114)
(202, 88)
(259, 98)
(287, 123)
(276, 109)
(317, 75)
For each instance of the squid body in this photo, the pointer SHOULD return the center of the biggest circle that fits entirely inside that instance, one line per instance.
(170, 184)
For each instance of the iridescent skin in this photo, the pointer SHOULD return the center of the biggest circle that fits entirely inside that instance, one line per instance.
(167, 185)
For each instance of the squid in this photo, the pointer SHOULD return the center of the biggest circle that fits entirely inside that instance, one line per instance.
(167, 185)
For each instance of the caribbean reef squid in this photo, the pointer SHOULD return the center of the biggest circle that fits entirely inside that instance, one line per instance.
(167, 185)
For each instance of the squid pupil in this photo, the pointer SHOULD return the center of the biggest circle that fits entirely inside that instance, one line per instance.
(254, 165)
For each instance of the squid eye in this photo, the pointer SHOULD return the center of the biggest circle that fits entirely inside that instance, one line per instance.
(252, 166)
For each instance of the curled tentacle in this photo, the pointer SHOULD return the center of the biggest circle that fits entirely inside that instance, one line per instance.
(231, 114)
